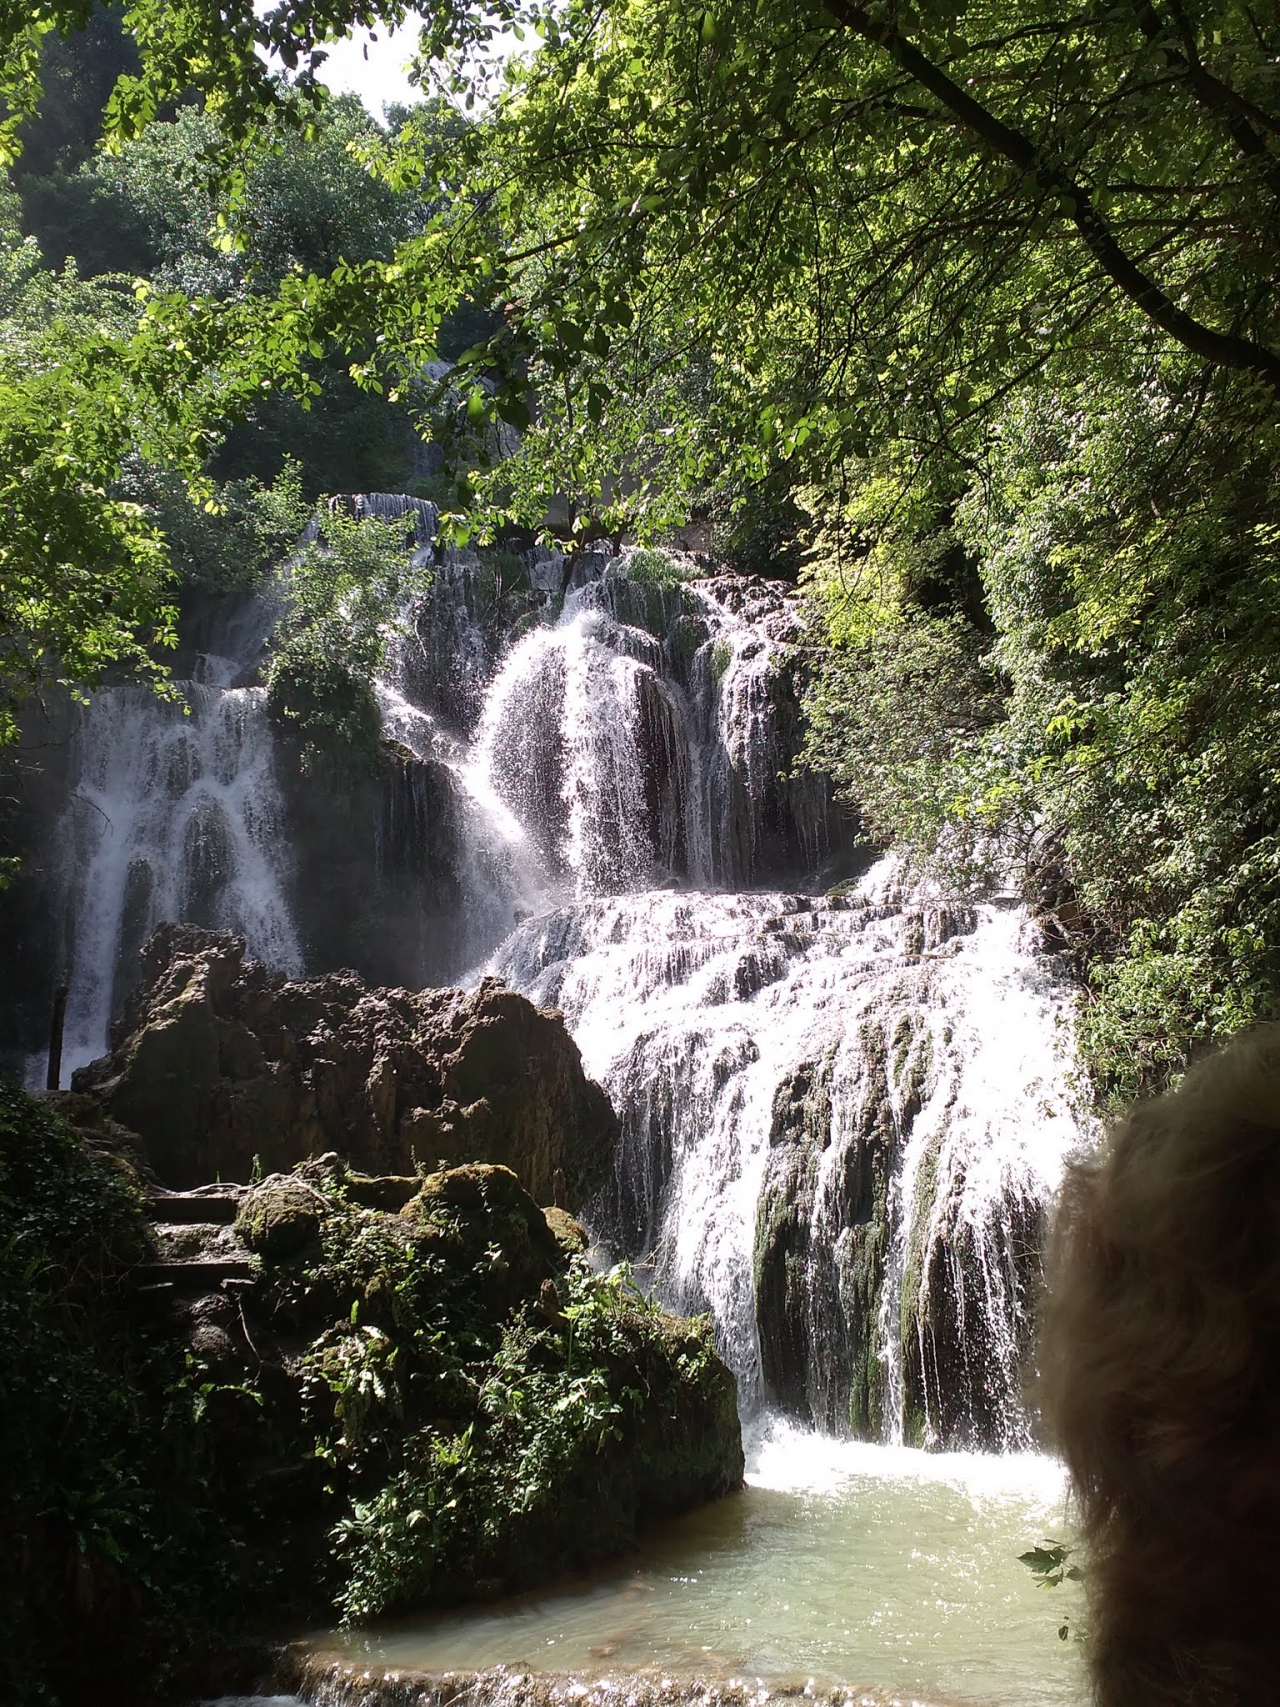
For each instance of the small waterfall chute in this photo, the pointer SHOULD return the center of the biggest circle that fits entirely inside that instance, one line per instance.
(177, 814)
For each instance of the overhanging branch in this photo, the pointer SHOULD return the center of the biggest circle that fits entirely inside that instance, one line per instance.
(1219, 348)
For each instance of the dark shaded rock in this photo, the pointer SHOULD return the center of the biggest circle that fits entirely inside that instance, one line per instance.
(223, 1067)
(375, 881)
(821, 1242)
(280, 1217)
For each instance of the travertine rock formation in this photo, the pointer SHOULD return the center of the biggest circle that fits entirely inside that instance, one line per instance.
(225, 1068)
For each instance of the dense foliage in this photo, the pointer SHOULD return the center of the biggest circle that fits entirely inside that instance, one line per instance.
(112, 1574)
(978, 303)
(345, 594)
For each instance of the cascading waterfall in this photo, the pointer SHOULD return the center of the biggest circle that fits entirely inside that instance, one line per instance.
(843, 1113)
(176, 815)
(843, 1117)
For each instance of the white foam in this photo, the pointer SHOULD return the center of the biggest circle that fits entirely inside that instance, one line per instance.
(787, 1458)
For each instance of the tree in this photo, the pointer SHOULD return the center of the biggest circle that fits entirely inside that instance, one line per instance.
(990, 290)
(845, 224)
(82, 575)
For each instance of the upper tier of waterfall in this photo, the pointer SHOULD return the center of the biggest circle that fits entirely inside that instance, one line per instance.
(177, 814)
(844, 1114)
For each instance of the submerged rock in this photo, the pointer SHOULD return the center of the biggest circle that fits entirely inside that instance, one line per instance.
(225, 1068)
(325, 1681)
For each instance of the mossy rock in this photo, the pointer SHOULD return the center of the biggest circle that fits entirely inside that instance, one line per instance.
(484, 1224)
(570, 1235)
(388, 1192)
(280, 1218)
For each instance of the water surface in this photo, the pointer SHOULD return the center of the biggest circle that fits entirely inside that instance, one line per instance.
(847, 1563)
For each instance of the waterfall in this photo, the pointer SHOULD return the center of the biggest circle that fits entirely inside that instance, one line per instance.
(642, 740)
(842, 1121)
(176, 814)
(844, 1116)
(845, 1104)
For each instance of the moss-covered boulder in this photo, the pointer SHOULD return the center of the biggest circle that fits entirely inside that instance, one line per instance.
(569, 1234)
(479, 1220)
(387, 1407)
(490, 1412)
(280, 1217)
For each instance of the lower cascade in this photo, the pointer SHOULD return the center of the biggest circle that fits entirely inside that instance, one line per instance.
(842, 1121)
(844, 1105)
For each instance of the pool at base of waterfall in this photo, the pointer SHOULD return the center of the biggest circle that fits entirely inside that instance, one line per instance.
(881, 1567)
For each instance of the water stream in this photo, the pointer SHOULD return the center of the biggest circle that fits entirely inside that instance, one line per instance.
(882, 1568)
(177, 814)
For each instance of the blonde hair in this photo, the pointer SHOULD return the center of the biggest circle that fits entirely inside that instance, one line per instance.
(1160, 1386)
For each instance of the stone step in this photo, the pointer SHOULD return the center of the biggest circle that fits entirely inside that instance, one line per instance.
(197, 1274)
(189, 1208)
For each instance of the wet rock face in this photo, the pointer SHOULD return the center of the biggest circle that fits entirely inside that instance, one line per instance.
(820, 1251)
(225, 1068)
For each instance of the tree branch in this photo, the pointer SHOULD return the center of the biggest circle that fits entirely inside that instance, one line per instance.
(1219, 348)
(1214, 94)
(1250, 109)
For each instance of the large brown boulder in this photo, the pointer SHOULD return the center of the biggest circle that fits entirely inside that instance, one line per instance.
(226, 1069)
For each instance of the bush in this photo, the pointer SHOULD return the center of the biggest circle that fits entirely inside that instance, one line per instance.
(657, 568)
(901, 721)
(119, 1568)
(581, 1426)
(347, 592)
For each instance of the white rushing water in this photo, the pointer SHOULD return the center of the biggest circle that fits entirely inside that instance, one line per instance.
(843, 1118)
(176, 815)
(698, 1012)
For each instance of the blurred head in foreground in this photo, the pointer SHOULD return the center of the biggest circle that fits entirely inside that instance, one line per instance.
(1160, 1358)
